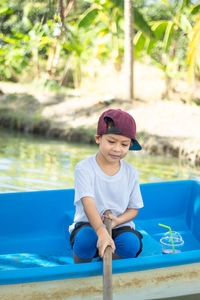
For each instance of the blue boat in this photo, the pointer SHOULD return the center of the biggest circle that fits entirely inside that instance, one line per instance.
(36, 258)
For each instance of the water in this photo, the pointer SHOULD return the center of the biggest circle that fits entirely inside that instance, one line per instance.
(29, 163)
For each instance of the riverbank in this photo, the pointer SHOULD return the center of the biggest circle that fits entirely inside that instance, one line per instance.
(164, 127)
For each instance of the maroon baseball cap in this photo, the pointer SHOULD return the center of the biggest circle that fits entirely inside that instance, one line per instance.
(123, 124)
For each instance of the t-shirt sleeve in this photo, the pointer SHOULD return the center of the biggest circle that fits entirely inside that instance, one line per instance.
(135, 200)
(83, 184)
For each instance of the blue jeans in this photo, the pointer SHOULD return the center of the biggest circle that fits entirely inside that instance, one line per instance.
(84, 241)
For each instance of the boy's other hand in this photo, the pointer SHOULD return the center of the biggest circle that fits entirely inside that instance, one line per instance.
(104, 240)
(114, 219)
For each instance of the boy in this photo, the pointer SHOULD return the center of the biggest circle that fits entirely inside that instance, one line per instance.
(104, 181)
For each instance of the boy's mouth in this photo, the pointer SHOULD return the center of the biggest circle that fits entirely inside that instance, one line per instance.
(115, 156)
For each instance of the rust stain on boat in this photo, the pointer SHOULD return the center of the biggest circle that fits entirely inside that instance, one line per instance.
(141, 284)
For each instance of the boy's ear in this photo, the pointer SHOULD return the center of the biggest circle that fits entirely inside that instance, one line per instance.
(97, 139)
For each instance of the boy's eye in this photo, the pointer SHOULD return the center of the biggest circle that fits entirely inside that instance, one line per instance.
(112, 142)
(125, 145)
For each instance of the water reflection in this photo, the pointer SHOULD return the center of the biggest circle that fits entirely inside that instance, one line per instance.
(30, 163)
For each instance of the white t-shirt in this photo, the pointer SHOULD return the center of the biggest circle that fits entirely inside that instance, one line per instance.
(117, 192)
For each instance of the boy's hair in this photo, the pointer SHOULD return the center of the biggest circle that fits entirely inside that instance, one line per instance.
(116, 121)
(109, 122)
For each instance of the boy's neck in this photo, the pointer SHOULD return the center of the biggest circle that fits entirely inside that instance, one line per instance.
(108, 168)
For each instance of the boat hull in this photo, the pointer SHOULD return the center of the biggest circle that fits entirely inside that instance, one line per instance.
(159, 283)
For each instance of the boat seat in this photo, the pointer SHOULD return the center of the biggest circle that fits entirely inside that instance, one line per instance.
(151, 247)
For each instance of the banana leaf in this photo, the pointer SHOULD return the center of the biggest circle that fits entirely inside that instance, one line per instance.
(168, 35)
(139, 41)
(142, 25)
(88, 18)
(193, 50)
(195, 9)
(159, 28)
(150, 45)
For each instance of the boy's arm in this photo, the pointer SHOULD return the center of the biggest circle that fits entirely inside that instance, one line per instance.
(104, 238)
(127, 216)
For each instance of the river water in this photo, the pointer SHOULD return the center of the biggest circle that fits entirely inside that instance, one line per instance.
(30, 163)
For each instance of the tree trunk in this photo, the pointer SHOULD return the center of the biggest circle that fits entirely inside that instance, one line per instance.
(128, 50)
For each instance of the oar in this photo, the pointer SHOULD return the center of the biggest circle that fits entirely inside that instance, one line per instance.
(107, 264)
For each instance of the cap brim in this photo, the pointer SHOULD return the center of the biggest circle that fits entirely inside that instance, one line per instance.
(135, 146)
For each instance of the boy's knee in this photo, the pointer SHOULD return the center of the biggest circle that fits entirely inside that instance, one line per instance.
(127, 245)
(85, 243)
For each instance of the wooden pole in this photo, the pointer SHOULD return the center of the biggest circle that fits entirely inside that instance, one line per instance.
(107, 264)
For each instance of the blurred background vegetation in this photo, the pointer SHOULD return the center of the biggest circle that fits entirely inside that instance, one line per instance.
(72, 46)
(51, 41)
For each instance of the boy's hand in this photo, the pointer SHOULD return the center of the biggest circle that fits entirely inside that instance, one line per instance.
(104, 240)
(114, 219)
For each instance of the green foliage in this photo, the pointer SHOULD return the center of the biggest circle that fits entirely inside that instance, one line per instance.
(88, 18)
(195, 9)
(142, 24)
(157, 12)
(139, 20)
(193, 51)
(35, 36)
(172, 26)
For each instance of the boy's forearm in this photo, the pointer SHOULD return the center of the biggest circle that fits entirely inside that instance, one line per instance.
(104, 239)
(127, 216)
(92, 213)
(95, 219)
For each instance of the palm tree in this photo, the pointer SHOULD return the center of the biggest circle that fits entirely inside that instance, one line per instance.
(133, 18)
(128, 49)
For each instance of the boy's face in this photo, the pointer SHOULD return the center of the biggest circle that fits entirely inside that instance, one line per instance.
(113, 147)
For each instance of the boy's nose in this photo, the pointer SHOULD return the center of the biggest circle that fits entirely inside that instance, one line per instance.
(117, 147)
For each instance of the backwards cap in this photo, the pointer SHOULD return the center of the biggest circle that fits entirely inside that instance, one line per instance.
(124, 124)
